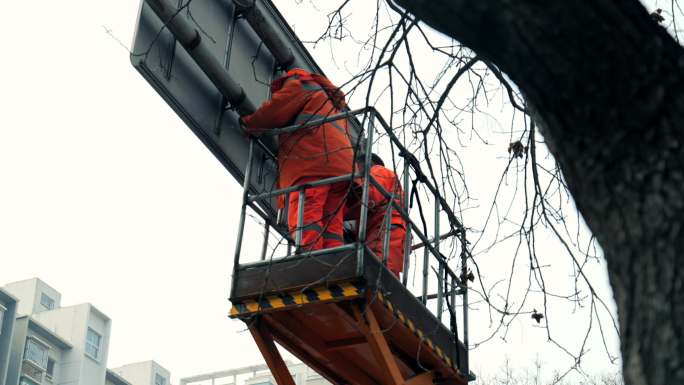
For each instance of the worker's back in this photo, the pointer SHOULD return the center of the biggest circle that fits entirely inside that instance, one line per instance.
(319, 151)
(389, 181)
(377, 225)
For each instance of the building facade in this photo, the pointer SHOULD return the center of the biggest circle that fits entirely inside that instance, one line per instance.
(55, 344)
(8, 309)
(144, 373)
(34, 296)
(256, 375)
(114, 379)
(45, 343)
(35, 353)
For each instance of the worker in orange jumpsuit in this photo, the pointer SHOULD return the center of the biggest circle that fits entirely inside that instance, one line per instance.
(377, 211)
(309, 154)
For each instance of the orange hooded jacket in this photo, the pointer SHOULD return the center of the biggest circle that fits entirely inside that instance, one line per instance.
(320, 151)
(389, 181)
(376, 219)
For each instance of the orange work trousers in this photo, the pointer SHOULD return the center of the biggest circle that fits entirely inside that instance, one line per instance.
(324, 207)
(395, 260)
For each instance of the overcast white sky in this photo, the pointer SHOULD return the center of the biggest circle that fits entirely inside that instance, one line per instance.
(107, 196)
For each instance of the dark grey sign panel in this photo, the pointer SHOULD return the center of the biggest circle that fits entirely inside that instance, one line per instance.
(168, 67)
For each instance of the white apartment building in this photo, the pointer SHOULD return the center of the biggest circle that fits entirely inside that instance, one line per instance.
(8, 308)
(55, 345)
(34, 296)
(144, 373)
(34, 353)
(256, 375)
(45, 343)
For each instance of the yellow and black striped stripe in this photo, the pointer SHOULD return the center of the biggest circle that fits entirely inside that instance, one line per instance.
(333, 292)
(419, 333)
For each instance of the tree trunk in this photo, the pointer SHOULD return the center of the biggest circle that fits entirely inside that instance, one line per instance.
(608, 86)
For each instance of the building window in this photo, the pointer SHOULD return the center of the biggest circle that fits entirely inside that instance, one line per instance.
(93, 342)
(26, 381)
(47, 302)
(36, 352)
(159, 380)
(50, 371)
(2, 317)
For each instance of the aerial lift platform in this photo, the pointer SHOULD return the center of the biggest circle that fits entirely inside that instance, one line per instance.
(340, 310)
(352, 329)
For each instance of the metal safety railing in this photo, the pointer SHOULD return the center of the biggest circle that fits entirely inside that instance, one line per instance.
(449, 283)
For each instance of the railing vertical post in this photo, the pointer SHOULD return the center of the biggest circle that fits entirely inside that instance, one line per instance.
(407, 241)
(286, 219)
(453, 298)
(440, 275)
(453, 320)
(363, 216)
(243, 213)
(264, 247)
(299, 231)
(426, 266)
(464, 289)
(386, 235)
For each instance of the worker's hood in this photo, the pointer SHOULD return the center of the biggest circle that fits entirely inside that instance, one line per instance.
(335, 94)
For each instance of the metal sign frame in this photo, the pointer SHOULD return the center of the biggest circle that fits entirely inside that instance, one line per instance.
(242, 41)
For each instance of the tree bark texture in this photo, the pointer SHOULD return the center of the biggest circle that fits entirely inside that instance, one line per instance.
(607, 84)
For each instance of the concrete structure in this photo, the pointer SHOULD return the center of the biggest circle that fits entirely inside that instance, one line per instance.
(8, 308)
(255, 375)
(114, 379)
(34, 296)
(144, 373)
(225, 377)
(54, 344)
(302, 374)
(35, 353)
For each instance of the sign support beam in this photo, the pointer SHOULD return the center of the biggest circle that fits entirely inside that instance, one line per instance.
(191, 39)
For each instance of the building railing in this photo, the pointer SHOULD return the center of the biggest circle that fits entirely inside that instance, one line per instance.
(449, 283)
